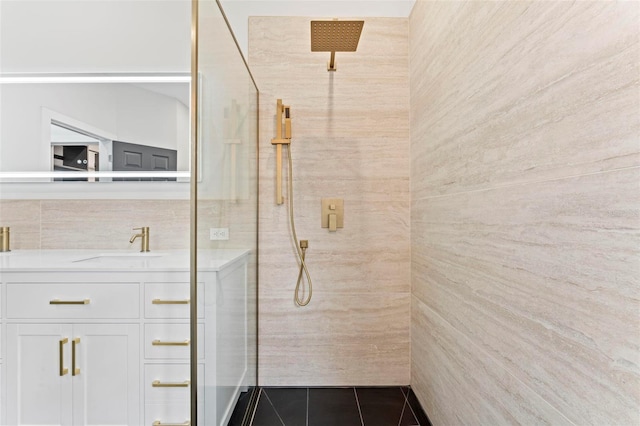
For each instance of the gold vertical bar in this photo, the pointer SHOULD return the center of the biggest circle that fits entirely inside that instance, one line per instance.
(279, 198)
(233, 172)
(279, 119)
(193, 243)
(63, 370)
(74, 371)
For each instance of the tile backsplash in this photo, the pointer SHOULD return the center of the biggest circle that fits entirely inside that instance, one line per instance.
(108, 224)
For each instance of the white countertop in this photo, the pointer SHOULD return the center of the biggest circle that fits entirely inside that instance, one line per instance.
(106, 260)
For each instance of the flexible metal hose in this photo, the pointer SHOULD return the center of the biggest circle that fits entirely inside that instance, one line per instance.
(300, 251)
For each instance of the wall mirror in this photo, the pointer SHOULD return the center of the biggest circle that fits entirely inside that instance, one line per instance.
(80, 79)
(94, 128)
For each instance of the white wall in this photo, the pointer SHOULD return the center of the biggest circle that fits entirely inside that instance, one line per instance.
(95, 36)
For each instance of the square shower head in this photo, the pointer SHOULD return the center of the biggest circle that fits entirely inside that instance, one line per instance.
(335, 36)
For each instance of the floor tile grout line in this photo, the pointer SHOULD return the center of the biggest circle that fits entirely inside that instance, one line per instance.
(355, 392)
(404, 406)
(415, 417)
(274, 408)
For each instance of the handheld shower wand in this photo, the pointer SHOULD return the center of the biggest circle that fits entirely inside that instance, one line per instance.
(283, 115)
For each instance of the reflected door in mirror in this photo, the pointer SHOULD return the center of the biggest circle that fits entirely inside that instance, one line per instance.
(131, 157)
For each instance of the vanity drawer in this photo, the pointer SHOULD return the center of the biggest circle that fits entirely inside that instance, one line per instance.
(73, 301)
(170, 300)
(170, 341)
(171, 405)
(173, 413)
(166, 382)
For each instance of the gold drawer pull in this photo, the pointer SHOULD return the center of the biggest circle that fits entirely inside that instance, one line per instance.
(170, 302)
(159, 423)
(63, 370)
(69, 302)
(159, 384)
(161, 343)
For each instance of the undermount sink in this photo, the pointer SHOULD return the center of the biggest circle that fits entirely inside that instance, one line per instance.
(119, 257)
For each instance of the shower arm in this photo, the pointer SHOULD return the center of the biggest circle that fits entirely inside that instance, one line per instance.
(283, 118)
(331, 66)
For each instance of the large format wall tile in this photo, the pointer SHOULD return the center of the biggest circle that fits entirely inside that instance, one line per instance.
(350, 141)
(108, 224)
(550, 277)
(471, 388)
(337, 340)
(23, 217)
(525, 218)
(513, 92)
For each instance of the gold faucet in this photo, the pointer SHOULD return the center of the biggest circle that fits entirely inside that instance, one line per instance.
(5, 239)
(144, 237)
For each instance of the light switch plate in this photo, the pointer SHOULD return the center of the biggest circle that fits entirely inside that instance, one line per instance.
(338, 203)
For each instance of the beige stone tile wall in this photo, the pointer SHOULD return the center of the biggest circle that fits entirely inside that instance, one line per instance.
(23, 217)
(350, 141)
(525, 178)
(108, 224)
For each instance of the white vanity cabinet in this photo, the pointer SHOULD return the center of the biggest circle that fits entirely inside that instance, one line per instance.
(72, 340)
(68, 374)
(111, 346)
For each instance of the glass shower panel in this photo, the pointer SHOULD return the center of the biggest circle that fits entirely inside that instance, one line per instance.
(226, 225)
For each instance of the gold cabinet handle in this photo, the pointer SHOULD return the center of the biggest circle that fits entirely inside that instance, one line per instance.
(159, 423)
(170, 302)
(159, 384)
(74, 371)
(161, 343)
(69, 302)
(63, 370)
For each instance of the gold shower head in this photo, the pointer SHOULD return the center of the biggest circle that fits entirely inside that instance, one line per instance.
(335, 36)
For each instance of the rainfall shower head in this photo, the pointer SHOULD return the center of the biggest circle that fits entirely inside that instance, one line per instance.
(335, 36)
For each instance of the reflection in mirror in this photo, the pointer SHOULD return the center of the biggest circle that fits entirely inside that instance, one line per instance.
(74, 150)
(95, 128)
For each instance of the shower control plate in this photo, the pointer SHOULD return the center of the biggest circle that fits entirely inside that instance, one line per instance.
(332, 213)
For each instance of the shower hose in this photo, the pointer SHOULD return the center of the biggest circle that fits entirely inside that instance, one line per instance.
(301, 247)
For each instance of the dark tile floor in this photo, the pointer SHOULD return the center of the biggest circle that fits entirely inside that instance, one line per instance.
(368, 406)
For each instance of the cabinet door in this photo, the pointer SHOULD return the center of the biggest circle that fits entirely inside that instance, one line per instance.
(106, 388)
(37, 393)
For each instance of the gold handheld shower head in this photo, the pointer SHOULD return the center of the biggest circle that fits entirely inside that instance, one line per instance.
(335, 36)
